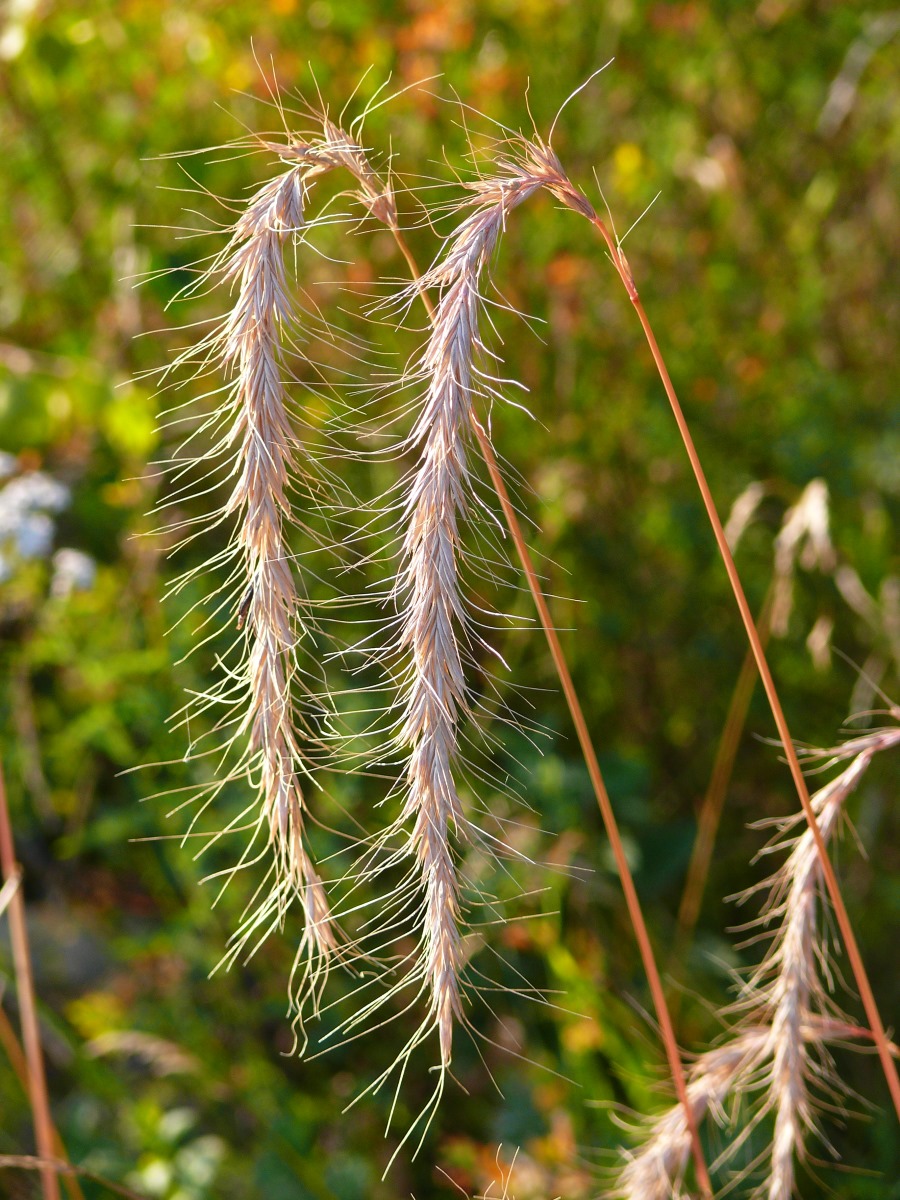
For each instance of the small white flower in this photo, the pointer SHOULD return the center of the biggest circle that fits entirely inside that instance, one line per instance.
(34, 492)
(25, 528)
(73, 571)
(34, 535)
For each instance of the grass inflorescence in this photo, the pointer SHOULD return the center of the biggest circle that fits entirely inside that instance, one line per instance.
(284, 724)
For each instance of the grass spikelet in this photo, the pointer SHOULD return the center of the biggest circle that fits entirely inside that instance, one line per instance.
(435, 632)
(250, 346)
(777, 1054)
(434, 610)
(791, 988)
(251, 350)
(258, 441)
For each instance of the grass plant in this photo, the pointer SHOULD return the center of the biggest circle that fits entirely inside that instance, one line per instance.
(435, 643)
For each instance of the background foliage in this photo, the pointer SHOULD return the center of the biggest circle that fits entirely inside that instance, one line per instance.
(766, 268)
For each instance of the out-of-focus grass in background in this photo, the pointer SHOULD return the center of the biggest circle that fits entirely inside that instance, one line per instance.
(771, 131)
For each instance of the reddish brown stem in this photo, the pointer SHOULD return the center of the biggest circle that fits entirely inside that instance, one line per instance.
(834, 892)
(16, 1056)
(31, 1038)
(31, 1162)
(590, 757)
(632, 902)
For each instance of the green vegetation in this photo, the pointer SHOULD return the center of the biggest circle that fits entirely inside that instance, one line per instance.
(766, 268)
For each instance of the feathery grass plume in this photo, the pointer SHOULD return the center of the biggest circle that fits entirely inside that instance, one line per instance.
(777, 1053)
(250, 345)
(791, 987)
(655, 1171)
(258, 441)
(435, 626)
(805, 537)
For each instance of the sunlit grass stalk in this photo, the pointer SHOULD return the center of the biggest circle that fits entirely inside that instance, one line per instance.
(831, 882)
(531, 155)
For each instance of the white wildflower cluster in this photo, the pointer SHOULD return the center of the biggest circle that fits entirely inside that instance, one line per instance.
(27, 528)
